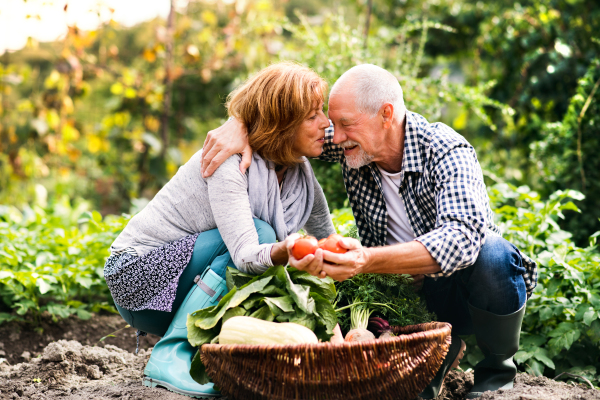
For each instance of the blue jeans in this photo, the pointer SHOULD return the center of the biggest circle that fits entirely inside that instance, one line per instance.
(209, 250)
(494, 283)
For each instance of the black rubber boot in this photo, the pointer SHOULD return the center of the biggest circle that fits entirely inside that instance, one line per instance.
(455, 353)
(498, 338)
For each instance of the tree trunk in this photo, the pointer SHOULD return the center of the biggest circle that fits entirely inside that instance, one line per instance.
(168, 81)
(368, 22)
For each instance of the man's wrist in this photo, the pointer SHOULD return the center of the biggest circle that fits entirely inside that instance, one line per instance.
(367, 260)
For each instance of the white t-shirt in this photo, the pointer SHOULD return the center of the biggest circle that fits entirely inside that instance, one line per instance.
(398, 226)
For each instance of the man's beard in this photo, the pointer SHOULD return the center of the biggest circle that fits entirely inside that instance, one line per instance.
(360, 159)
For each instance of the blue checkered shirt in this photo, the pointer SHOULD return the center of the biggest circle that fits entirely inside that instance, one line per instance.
(443, 191)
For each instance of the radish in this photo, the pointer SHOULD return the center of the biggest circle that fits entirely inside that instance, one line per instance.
(380, 327)
(359, 319)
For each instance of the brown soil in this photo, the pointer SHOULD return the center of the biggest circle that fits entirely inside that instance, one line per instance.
(67, 361)
(527, 387)
(19, 341)
(68, 370)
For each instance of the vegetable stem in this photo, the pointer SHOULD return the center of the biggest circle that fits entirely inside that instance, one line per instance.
(366, 302)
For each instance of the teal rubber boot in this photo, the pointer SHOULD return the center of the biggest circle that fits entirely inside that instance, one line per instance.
(498, 338)
(171, 359)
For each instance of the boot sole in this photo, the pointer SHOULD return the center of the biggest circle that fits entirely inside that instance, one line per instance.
(150, 382)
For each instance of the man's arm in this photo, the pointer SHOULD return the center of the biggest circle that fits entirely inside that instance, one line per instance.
(409, 258)
(462, 210)
(232, 137)
(455, 243)
(221, 143)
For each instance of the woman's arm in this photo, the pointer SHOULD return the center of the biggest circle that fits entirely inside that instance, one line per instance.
(228, 196)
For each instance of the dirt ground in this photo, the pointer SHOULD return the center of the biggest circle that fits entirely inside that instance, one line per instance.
(68, 361)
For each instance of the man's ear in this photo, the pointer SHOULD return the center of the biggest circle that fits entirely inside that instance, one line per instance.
(387, 115)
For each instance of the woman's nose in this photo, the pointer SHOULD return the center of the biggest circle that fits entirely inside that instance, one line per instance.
(324, 122)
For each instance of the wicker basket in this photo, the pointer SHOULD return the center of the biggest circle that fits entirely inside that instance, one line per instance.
(396, 368)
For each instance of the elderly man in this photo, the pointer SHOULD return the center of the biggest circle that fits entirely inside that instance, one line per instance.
(421, 207)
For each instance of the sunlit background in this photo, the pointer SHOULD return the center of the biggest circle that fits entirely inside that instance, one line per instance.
(103, 100)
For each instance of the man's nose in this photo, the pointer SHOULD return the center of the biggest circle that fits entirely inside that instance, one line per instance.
(338, 136)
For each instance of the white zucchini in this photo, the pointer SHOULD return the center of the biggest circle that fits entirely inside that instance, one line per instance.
(248, 330)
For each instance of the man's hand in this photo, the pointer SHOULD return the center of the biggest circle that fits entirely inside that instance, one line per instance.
(220, 144)
(343, 266)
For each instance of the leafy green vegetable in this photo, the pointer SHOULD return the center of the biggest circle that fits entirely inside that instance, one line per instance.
(389, 296)
(280, 294)
(198, 371)
(208, 317)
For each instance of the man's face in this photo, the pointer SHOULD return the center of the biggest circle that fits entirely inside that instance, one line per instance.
(355, 132)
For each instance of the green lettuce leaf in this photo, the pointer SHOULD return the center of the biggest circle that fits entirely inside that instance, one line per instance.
(279, 305)
(233, 277)
(323, 287)
(209, 317)
(300, 294)
(198, 371)
(263, 313)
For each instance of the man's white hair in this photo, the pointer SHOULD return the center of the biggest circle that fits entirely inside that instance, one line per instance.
(372, 87)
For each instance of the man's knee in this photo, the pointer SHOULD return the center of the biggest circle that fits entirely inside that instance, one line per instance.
(496, 283)
(266, 234)
(498, 259)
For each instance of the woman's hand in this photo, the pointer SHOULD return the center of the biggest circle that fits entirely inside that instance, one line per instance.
(311, 263)
(221, 143)
(279, 252)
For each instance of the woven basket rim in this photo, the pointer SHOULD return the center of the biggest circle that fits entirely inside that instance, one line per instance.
(431, 330)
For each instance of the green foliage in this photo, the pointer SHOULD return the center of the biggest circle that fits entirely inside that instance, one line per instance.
(566, 156)
(52, 258)
(388, 296)
(562, 324)
(344, 223)
(97, 104)
(561, 328)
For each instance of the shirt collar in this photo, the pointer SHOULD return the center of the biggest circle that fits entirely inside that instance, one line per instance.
(411, 159)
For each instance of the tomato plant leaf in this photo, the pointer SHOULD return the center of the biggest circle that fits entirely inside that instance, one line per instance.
(589, 316)
(541, 354)
(522, 356)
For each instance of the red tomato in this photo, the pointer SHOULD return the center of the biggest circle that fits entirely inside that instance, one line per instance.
(304, 246)
(332, 244)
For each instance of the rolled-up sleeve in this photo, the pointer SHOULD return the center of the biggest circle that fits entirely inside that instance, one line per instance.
(460, 227)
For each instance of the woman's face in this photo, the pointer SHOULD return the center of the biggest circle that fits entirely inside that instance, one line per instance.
(311, 133)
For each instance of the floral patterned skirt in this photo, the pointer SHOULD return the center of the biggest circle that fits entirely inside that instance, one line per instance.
(148, 282)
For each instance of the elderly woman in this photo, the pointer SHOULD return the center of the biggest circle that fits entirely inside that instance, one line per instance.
(170, 260)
